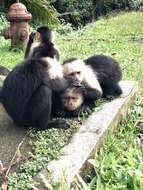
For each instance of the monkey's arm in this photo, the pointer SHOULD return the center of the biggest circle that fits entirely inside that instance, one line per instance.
(57, 112)
(92, 86)
(85, 108)
(88, 92)
(92, 89)
(28, 48)
(91, 93)
(58, 84)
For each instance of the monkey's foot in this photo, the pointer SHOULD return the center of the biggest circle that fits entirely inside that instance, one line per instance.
(109, 97)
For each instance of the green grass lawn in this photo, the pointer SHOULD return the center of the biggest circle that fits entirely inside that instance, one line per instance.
(119, 163)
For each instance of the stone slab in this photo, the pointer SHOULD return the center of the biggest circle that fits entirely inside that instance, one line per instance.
(10, 136)
(88, 137)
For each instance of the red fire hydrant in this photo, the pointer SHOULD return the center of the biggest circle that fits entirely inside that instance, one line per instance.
(18, 32)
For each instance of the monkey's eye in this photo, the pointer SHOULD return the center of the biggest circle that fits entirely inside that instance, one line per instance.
(71, 74)
(74, 98)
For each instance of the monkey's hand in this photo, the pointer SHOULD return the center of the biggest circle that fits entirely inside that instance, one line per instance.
(92, 94)
(31, 37)
(76, 84)
(109, 97)
(61, 113)
(84, 109)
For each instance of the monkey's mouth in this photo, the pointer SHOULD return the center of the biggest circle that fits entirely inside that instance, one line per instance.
(70, 108)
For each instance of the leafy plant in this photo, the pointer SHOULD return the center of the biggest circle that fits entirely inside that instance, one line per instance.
(76, 12)
(42, 10)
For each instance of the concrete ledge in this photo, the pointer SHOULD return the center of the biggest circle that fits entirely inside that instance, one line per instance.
(88, 137)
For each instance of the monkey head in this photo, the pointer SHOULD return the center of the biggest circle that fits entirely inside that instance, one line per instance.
(72, 98)
(44, 34)
(74, 69)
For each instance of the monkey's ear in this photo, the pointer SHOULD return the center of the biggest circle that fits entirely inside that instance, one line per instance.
(37, 37)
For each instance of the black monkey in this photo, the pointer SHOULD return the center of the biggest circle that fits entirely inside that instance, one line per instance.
(47, 48)
(99, 74)
(108, 73)
(27, 90)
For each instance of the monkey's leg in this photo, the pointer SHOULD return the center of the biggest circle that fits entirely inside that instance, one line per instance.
(111, 91)
(118, 90)
(40, 110)
(92, 93)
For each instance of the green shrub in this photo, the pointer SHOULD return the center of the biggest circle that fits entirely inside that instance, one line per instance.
(73, 11)
(122, 4)
(81, 12)
(3, 22)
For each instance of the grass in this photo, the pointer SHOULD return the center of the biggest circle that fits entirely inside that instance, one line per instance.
(119, 163)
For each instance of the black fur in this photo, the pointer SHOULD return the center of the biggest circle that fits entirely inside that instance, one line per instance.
(108, 73)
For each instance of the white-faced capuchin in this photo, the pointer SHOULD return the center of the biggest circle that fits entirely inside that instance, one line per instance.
(71, 102)
(99, 74)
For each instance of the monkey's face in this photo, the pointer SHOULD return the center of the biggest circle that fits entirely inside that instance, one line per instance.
(75, 75)
(74, 70)
(71, 99)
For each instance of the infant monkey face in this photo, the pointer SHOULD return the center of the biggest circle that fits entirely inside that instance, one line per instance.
(71, 99)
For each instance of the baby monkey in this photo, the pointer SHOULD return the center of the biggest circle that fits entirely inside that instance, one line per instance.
(72, 102)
